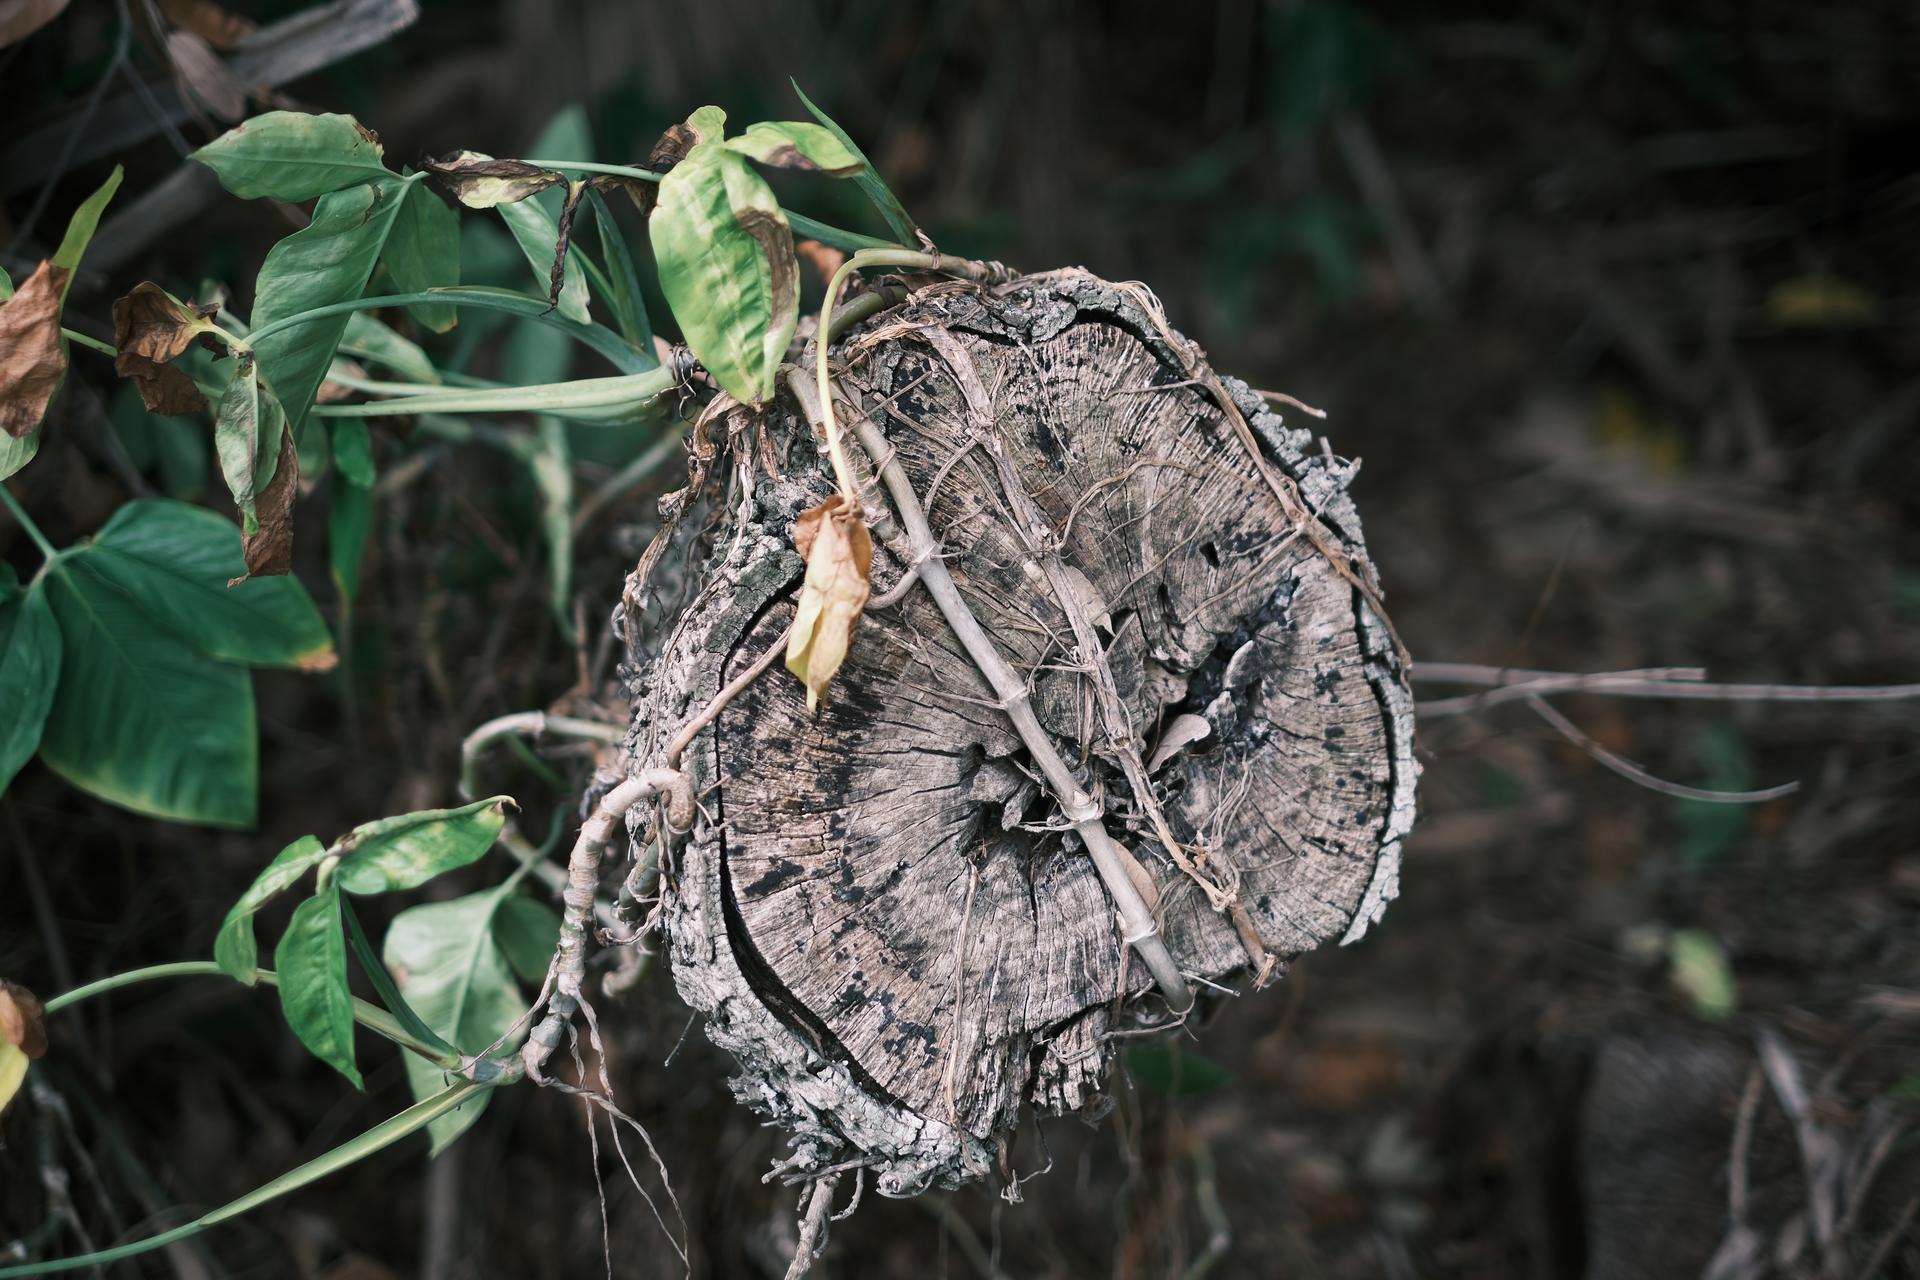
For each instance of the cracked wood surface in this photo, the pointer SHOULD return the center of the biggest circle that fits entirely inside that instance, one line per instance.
(880, 911)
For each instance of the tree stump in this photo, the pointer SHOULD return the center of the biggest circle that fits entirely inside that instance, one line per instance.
(880, 910)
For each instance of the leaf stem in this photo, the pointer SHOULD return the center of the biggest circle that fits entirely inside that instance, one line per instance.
(46, 549)
(803, 226)
(599, 337)
(628, 391)
(836, 452)
(90, 343)
(370, 1016)
(381, 1136)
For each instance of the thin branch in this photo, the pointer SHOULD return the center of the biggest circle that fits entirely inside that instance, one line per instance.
(1513, 683)
(1634, 773)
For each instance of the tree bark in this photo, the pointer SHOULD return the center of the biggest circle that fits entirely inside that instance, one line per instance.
(880, 909)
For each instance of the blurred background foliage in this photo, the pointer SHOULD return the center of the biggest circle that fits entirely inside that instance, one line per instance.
(1617, 301)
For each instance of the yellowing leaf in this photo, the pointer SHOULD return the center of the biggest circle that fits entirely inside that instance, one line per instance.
(1701, 970)
(479, 181)
(839, 555)
(23, 1036)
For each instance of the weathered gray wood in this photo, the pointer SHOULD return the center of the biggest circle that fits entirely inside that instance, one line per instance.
(880, 912)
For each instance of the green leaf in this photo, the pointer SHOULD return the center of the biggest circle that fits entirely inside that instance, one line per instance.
(81, 226)
(17, 451)
(350, 514)
(527, 931)
(423, 252)
(534, 357)
(450, 968)
(904, 228)
(623, 295)
(794, 144)
(312, 963)
(169, 563)
(1173, 1072)
(175, 452)
(29, 673)
(1701, 971)
(349, 521)
(409, 850)
(327, 262)
(234, 948)
(377, 343)
(142, 718)
(292, 156)
(248, 425)
(726, 262)
(353, 452)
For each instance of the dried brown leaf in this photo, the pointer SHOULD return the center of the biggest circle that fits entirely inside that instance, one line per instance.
(481, 182)
(150, 328)
(839, 555)
(32, 360)
(269, 548)
(21, 18)
(215, 25)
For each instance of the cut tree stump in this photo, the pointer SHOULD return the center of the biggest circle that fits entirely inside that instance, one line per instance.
(881, 911)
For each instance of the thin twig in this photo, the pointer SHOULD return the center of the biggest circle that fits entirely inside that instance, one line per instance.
(712, 710)
(1512, 683)
(1139, 928)
(1634, 773)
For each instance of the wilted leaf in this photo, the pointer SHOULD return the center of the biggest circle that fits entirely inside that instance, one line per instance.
(407, 851)
(29, 671)
(150, 328)
(726, 263)
(794, 144)
(839, 556)
(32, 357)
(1701, 971)
(293, 156)
(311, 962)
(479, 181)
(327, 262)
(268, 548)
(423, 252)
(234, 948)
(21, 18)
(23, 1036)
(172, 561)
(248, 427)
(204, 78)
(215, 25)
(878, 194)
(449, 967)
